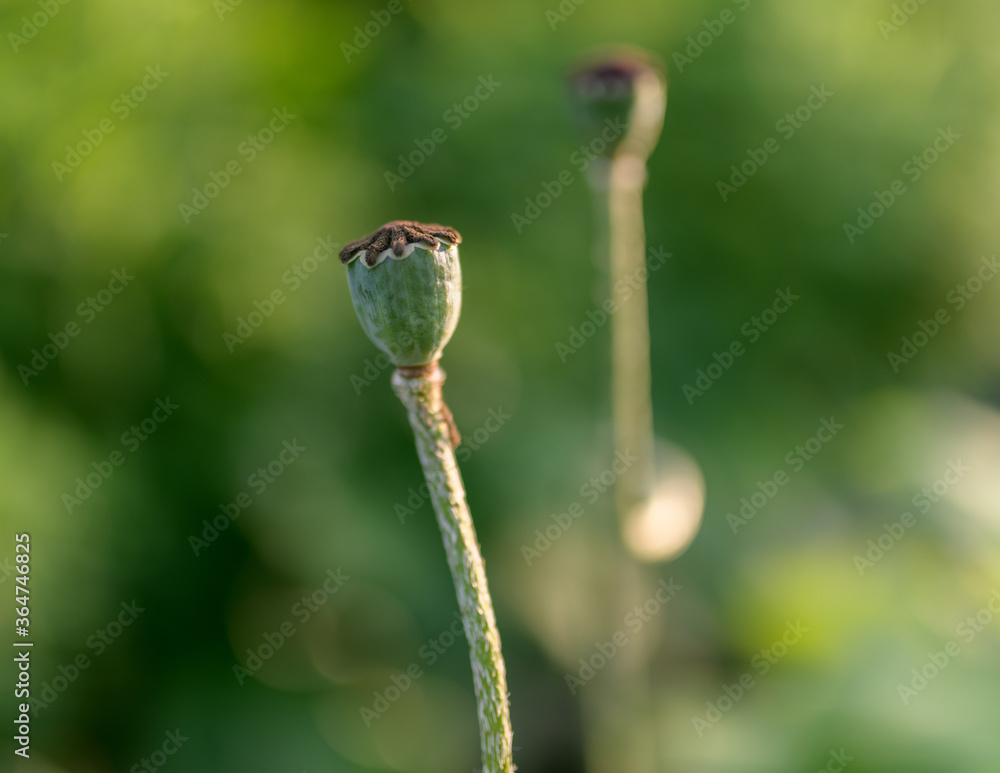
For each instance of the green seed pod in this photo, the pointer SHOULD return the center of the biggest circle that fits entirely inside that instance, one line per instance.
(619, 99)
(406, 284)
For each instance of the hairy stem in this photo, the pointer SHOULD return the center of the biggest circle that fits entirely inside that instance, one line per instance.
(420, 391)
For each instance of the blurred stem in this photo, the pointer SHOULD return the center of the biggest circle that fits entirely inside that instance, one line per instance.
(619, 183)
(420, 391)
(621, 707)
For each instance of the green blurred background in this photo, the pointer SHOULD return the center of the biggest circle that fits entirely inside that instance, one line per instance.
(350, 500)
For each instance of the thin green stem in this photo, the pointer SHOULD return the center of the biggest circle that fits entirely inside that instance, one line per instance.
(420, 391)
(630, 380)
(623, 739)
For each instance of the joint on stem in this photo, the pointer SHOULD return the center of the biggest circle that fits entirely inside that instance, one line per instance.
(425, 382)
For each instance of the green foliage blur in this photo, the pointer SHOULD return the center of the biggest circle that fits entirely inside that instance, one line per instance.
(216, 153)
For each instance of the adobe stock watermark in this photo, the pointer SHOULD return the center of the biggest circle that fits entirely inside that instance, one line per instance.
(157, 759)
(633, 623)
(131, 439)
(224, 7)
(957, 298)
(936, 662)
(761, 664)
(363, 37)
(87, 311)
(752, 330)
(581, 160)
(591, 492)
(622, 292)
(796, 460)
(913, 170)
(700, 41)
(559, 14)
(471, 442)
(454, 117)
(373, 368)
(293, 278)
(901, 15)
(787, 126)
(302, 610)
(428, 654)
(249, 149)
(122, 107)
(258, 481)
(836, 762)
(30, 26)
(894, 532)
(98, 642)
(6, 570)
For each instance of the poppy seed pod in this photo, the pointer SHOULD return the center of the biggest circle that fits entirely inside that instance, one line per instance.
(406, 285)
(619, 97)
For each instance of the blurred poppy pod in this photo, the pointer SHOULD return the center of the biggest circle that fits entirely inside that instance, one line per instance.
(406, 285)
(620, 96)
